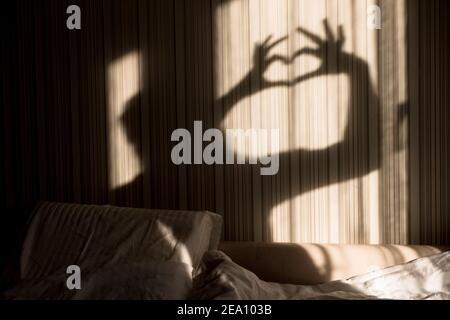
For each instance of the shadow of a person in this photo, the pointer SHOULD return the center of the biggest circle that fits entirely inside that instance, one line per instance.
(131, 194)
(354, 156)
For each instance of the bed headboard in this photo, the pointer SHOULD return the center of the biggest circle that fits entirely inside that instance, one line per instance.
(318, 263)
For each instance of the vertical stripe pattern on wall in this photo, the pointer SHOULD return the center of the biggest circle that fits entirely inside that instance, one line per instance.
(364, 143)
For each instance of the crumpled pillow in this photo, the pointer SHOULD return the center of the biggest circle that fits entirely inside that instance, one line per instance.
(62, 234)
(126, 281)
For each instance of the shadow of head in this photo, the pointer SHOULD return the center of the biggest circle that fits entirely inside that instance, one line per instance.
(130, 121)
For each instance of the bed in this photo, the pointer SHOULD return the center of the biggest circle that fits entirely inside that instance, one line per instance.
(128, 253)
(312, 271)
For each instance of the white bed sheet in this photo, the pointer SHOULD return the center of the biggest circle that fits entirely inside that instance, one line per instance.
(424, 278)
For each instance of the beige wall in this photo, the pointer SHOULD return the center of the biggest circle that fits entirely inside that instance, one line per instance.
(364, 144)
(361, 156)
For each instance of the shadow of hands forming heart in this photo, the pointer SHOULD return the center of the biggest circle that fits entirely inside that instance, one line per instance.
(328, 47)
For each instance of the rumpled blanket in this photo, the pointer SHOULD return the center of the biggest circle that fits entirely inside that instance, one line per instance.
(424, 278)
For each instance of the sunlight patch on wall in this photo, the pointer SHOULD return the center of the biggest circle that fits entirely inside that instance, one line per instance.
(310, 122)
(122, 85)
(337, 213)
(343, 151)
(297, 110)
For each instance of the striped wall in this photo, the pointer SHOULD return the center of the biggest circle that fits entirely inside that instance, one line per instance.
(363, 149)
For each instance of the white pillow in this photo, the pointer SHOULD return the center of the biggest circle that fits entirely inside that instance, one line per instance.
(94, 237)
(124, 281)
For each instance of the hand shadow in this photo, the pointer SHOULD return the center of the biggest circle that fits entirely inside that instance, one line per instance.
(345, 160)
